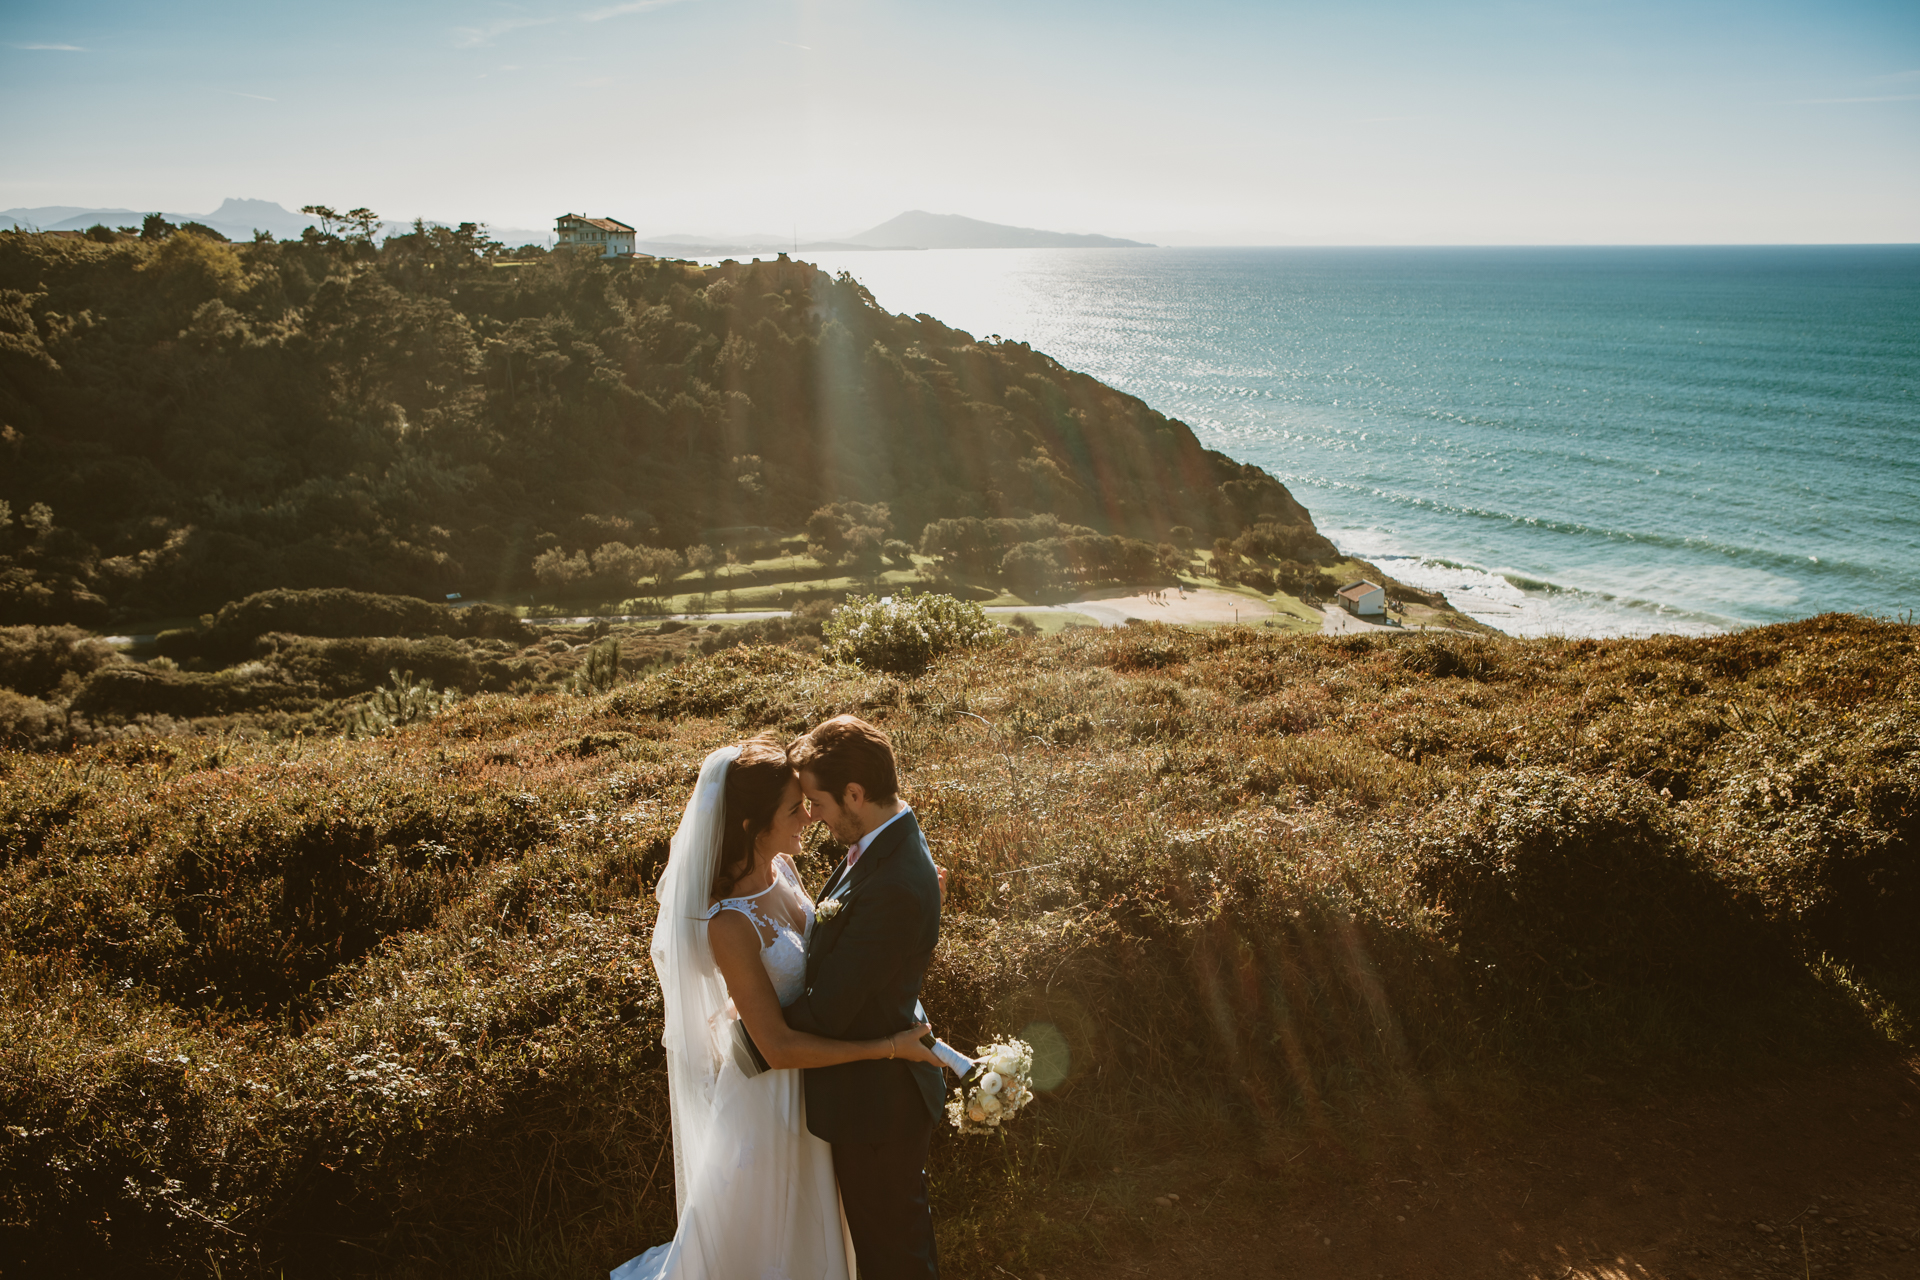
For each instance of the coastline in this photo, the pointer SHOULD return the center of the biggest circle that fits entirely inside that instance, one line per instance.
(1578, 441)
(1517, 605)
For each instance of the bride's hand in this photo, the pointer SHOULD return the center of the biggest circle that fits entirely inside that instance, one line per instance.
(907, 1046)
(941, 872)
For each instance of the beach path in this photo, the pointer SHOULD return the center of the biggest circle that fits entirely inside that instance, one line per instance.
(1203, 605)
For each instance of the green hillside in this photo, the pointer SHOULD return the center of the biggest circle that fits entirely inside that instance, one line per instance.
(184, 422)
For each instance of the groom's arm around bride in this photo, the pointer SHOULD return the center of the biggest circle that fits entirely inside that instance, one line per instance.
(865, 964)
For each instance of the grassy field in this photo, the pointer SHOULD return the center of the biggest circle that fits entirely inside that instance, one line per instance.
(778, 583)
(382, 1007)
(1051, 622)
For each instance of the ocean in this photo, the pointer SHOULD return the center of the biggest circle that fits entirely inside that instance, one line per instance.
(1572, 441)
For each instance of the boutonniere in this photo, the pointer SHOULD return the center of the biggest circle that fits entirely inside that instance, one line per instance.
(827, 910)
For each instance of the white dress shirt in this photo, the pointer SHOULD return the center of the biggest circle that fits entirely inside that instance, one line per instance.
(860, 845)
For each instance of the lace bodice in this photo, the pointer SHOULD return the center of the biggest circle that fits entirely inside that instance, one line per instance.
(783, 939)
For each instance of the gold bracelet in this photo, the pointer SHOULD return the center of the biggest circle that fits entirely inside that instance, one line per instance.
(890, 1040)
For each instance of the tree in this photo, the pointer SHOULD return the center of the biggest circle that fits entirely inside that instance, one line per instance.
(703, 560)
(862, 556)
(1033, 566)
(155, 227)
(355, 226)
(832, 529)
(600, 672)
(617, 564)
(556, 568)
(658, 568)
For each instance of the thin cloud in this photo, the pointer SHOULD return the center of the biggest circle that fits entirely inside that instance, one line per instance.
(257, 97)
(620, 10)
(60, 48)
(791, 45)
(1823, 102)
(473, 37)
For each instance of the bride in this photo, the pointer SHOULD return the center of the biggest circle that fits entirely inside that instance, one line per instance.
(754, 1190)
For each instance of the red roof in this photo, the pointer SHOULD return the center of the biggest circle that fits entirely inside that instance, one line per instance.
(604, 224)
(1355, 590)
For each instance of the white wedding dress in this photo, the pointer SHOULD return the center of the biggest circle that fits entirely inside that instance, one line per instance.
(755, 1190)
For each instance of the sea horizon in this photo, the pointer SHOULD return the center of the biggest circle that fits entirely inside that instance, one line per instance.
(1574, 440)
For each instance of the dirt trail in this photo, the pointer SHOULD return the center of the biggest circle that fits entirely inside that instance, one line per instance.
(1816, 1176)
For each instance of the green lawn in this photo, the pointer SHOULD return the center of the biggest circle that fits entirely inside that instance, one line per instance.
(1050, 621)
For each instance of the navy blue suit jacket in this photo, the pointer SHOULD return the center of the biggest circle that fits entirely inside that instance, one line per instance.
(864, 971)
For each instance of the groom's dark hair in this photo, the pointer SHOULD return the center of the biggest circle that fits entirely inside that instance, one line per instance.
(847, 749)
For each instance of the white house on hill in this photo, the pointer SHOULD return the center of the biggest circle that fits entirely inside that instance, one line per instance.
(1363, 597)
(609, 235)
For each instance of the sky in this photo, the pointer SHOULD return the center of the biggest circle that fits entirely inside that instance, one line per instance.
(1202, 122)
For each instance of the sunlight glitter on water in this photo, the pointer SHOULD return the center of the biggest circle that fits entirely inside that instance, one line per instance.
(1619, 441)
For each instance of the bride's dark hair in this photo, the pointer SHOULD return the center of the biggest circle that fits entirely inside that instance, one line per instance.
(755, 782)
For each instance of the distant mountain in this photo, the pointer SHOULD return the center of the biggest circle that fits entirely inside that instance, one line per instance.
(685, 246)
(44, 218)
(918, 229)
(235, 219)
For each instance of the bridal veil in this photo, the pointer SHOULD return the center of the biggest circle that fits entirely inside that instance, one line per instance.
(690, 983)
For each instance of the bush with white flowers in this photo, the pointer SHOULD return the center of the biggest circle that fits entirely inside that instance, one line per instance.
(905, 632)
(1002, 1088)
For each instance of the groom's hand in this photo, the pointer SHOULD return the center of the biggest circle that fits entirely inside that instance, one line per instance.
(941, 871)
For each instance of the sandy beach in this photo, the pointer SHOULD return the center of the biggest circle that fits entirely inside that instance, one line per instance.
(1204, 605)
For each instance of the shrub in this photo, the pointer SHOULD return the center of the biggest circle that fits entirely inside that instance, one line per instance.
(600, 672)
(28, 724)
(333, 613)
(122, 692)
(491, 622)
(1547, 877)
(905, 632)
(383, 1007)
(38, 661)
(406, 701)
(1821, 830)
(1471, 657)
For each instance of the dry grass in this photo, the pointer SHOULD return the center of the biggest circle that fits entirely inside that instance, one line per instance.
(327, 1007)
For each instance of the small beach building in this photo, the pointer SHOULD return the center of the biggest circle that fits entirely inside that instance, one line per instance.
(612, 237)
(1363, 598)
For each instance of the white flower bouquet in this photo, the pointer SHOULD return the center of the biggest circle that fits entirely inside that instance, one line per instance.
(1002, 1085)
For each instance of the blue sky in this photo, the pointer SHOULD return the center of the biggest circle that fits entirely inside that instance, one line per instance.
(1196, 123)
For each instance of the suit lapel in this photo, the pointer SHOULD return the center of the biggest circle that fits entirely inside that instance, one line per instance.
(845, 880)
(882, 848)
(833, 881)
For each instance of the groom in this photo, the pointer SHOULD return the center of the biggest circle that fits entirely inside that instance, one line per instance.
(865, 962)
